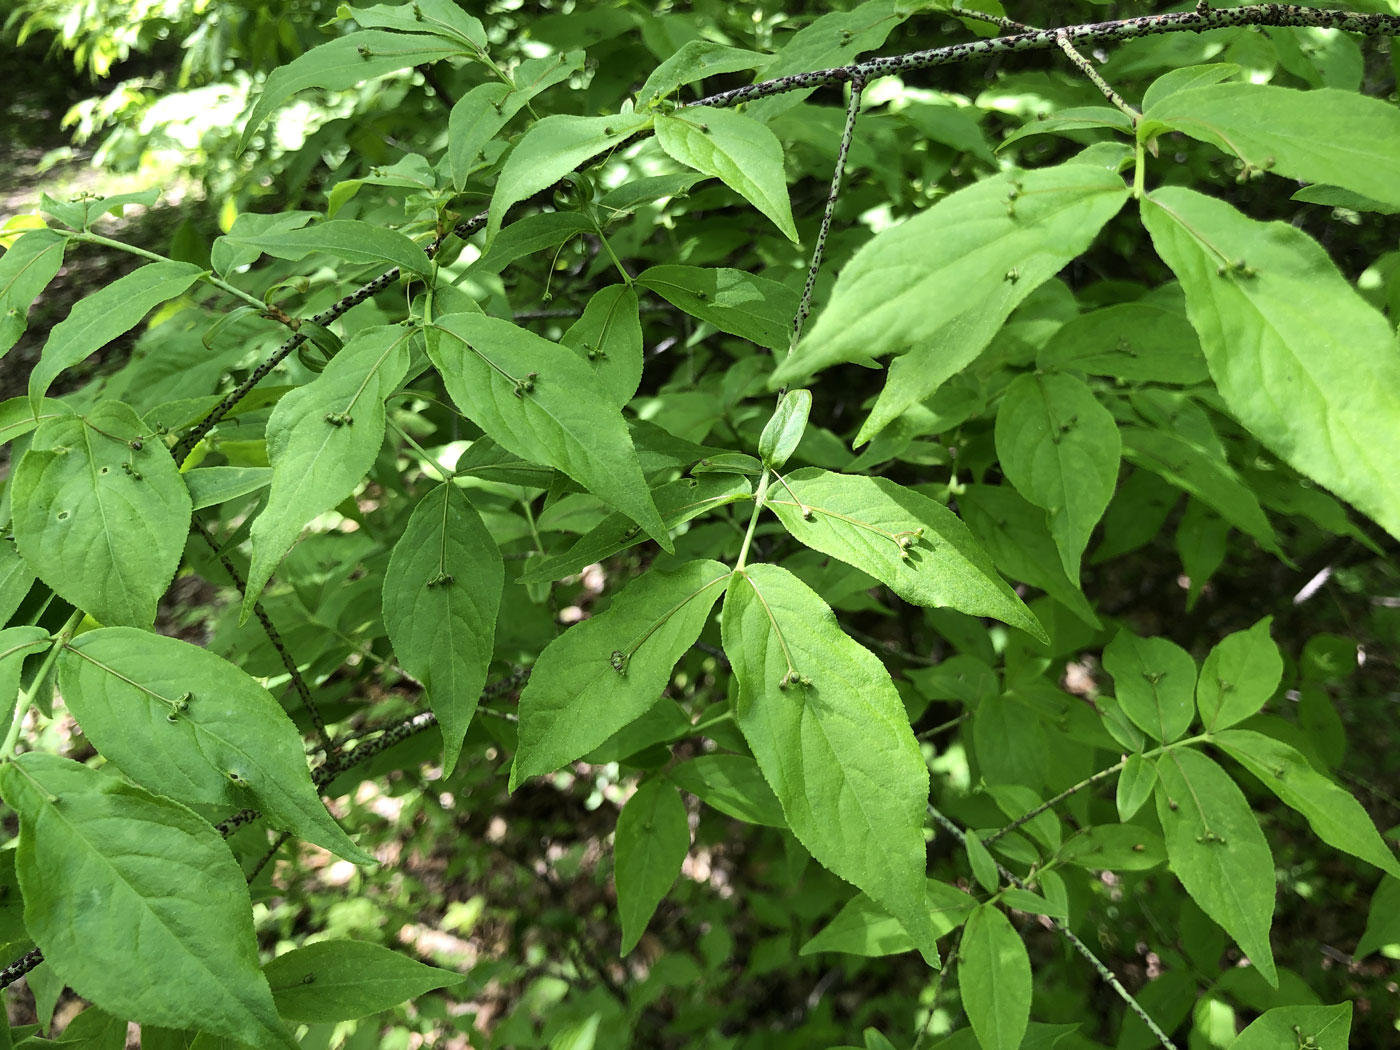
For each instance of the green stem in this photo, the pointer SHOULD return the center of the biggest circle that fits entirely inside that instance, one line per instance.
(26, 696)
(758, 498)
(208, 278)
(1139, 169)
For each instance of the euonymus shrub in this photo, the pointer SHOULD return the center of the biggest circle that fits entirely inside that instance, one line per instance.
(1022, 364)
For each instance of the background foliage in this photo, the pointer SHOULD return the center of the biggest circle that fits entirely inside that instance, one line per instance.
(656, 716)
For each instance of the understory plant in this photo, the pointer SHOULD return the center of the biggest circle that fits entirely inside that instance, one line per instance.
(789, 525)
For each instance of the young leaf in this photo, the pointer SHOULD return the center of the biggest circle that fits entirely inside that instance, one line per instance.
(100, 521)
(1060, 448)
(550, 150)
(731, 784)
(653, 837)
(862, 927)
(998, 240)
(539, 401)
(120, 884)
(601, 674)
(103, 316)
(737, 150)
(1342, 138)
(784, 429)
(321, 440)
(1135, 783)
(341, 64)
(831, 736)
(1239, 676)
(1337, 818)
(333, 981)
(355, 242)
(26, 269)
(1299, 357)
(677, 502)
(1216, 849)
(911, 543)
(754, 308)
(441, 593)
(1155, 682)
(609, 337)
(184, 721)
(994, 979)
(1312, 1027)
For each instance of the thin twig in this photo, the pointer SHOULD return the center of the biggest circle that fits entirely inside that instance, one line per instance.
(1104, 972)
(805, 306)
(298, 682)
(1086, 67)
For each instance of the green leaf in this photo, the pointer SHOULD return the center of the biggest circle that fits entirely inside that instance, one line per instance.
(120, 885)
(911, 543)
(103, 316)
(831, 736)
(732, 784)
(1335, 816)
(1201, 470)
(677, 502)
(784, 429)
(602, 673)
(1135, 783)
(551, 149)
(1341, 138)
(185, 722)
(15, 644)
(736, 149)
(1382, 921)
(1141, 342)
(1216, 849)
(441, 594)
(533, 233)
(751, 307)
(998, 240)
(18, 418)
(1186, 77)
(476, 118)
(984, 868)
(1313, 1027)
(210, 486)
(539, 401)
(229, 252)
(994, 979)
(695, 60)
(342, 64)
(1116, 847)
(609, 337)
(1018, 540)
(322, 439)
(1239, 676)
(1155, 682)
(16, 577)
(1300, 358)
(26, 269)
(1060, 448)
(653, 837)
(355, 242)
(1077, 118)
(101, 523)
(438, 17)
(345, 980)
(86, 209)
(862, 927)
